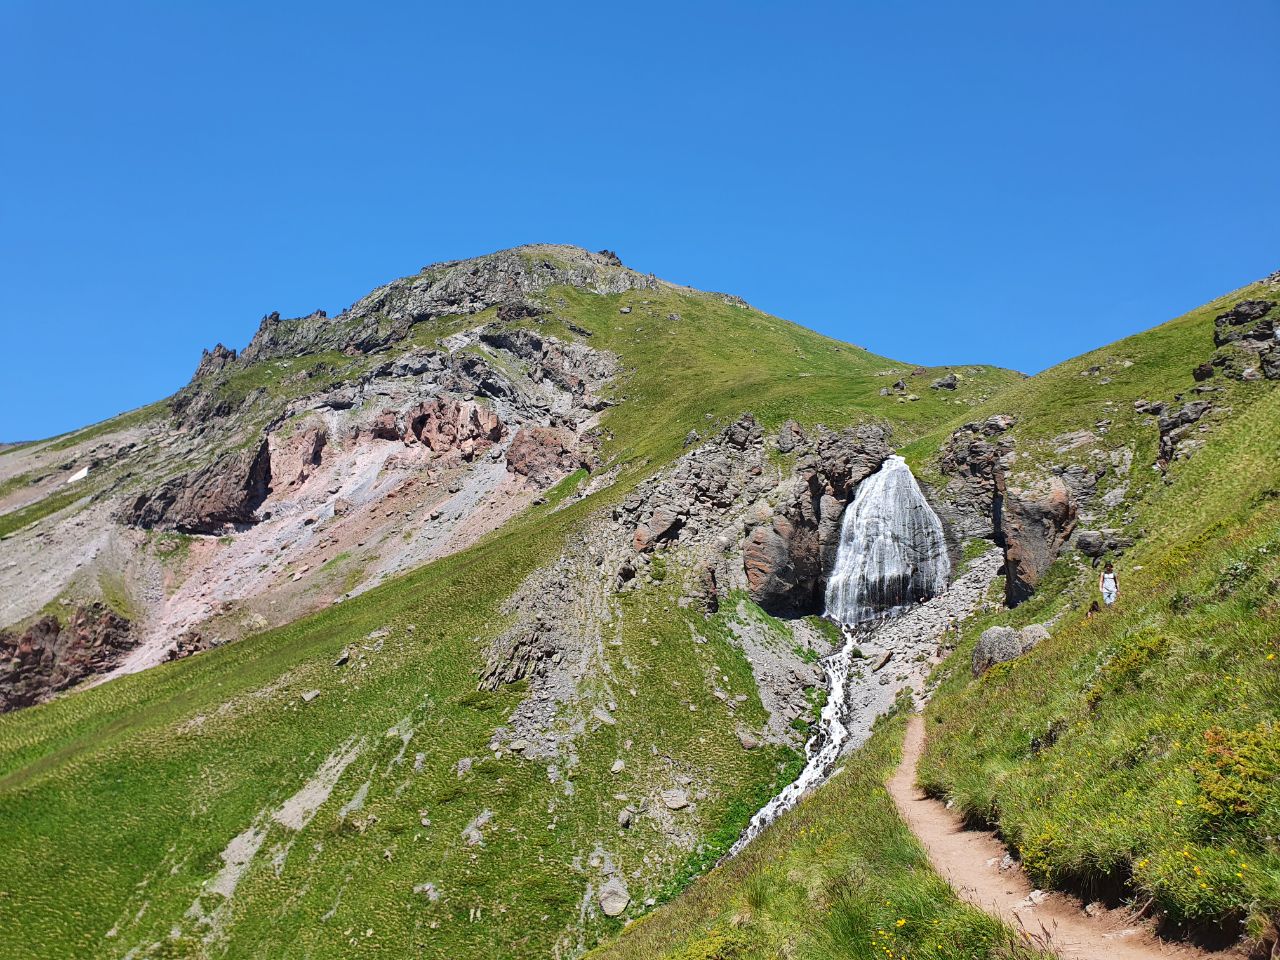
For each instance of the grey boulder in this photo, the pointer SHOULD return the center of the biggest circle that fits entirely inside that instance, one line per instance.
(1002, 644)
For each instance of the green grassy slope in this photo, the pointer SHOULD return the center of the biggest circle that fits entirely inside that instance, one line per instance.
(127, 794)
(1141, 750)
(1101, 386)
(1135, 753)
(838, 876)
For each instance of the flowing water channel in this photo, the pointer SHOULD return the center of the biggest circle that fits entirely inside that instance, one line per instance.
(893, 555)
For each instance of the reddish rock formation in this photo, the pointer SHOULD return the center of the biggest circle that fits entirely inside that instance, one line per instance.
(294, 458)
(386, 426)
(224, 494)
(543, 454)
(447, 425)
(1034, 525)
(49, 656)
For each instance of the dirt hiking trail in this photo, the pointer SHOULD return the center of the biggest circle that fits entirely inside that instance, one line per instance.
(977, 866)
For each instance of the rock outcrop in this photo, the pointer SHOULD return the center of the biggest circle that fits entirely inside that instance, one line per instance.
(974, 460)
(703, 483)
(1034, 524)
(447, 425)
(1175, 430)
(789, 551)
(543, 454)
(455, 288)
(213, 361)
(1031, 523)
(1096, 544)
(49, 656)
(573, 367)
(1002, 644)
(221, 496)
(1247, 337)
(792, 538)
(1241, 323)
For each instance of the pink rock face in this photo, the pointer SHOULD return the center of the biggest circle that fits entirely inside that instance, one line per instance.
(446, 425)
(543, 454)
(385, 426)
(1035, 524)
(48, 656)
(294, 459)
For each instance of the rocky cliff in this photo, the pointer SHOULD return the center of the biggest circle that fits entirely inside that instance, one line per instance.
(51, 655)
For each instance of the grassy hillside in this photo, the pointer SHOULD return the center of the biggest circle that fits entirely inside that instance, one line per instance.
(129, 794)
(1140, 751)
(1133, 755)
(838, 876)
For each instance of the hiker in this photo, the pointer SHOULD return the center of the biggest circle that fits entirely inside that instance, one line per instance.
(1093, 608)
(1109, 585)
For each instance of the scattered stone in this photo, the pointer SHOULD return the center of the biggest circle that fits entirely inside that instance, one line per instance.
(618, 766)
(614, 897)
(675, 799)
(310, 695)
(188, 644)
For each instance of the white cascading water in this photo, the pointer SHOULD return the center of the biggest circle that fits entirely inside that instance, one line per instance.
(893, 554)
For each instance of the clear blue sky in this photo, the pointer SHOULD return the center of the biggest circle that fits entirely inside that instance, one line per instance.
(1006, 182)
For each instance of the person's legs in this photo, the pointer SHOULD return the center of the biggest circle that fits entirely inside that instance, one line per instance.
(1108, 595)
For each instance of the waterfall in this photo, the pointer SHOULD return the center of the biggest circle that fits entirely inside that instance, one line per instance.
(893, 552)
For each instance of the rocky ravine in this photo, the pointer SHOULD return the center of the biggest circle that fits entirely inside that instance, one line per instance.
(730, 521)
(700, 522)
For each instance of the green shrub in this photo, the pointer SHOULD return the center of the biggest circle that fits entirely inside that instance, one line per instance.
(1238, 775)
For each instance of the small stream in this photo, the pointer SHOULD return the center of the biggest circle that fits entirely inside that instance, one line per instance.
(892, 556)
